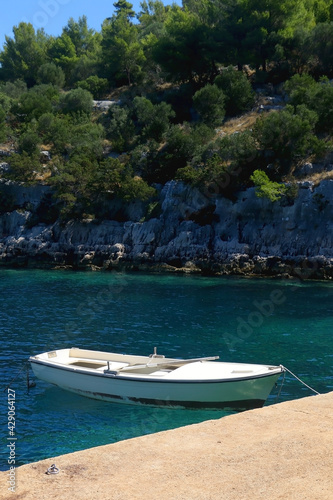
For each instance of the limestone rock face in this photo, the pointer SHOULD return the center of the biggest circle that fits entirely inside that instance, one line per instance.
(194, 232)
(22, 195)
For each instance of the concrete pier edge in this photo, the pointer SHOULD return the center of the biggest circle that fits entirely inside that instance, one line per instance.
(283, 450)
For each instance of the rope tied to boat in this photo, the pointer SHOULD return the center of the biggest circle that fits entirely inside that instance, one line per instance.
(297, 378)
(24, 367)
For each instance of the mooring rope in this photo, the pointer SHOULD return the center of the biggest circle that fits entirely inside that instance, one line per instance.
(29, 384)
(26, 364)
(297, 378)
(284, 376)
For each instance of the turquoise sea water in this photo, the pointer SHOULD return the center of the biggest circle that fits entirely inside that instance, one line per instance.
(246, 320)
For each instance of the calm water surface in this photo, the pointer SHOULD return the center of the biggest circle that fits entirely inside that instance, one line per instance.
(246, 320)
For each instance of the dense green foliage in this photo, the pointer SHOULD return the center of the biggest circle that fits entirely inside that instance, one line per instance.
(185, 70)
(266, 188)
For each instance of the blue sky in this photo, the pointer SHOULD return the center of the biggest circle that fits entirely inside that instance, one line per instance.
(52, 15)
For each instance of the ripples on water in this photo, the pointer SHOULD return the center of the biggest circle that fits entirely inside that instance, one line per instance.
(185, 316)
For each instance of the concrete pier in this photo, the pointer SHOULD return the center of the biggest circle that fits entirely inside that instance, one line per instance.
(284, 451)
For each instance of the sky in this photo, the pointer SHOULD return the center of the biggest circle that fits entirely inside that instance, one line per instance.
(53, 15)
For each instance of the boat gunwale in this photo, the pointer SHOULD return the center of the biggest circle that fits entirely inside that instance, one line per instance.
(275, 370)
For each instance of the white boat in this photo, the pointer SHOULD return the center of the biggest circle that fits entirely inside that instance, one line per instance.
(155, 380)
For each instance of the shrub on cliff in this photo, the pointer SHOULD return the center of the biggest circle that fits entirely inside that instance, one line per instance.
(72, 184)
(265, 188)
(237, 148)
(95, 85)
(5, 102)
(83, 185)
(288, 136)
(77, 101)
(56, 131)
(114, 178)
(238, 92)
(226, 164)
(33, 104)
(153, 120)
(69, 135)
(184, 145)
(317, 96)
(28, 142)
(120, 128)
(23, 167)
(52, 74)
(2, 125)
(214, 170)
(209, 104)
(14, 89)
(85, 138)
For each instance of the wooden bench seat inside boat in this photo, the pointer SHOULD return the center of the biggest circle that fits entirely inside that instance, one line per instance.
(75, 352)
(88, 364)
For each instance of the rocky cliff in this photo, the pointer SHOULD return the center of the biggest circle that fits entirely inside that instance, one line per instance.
(194, 232)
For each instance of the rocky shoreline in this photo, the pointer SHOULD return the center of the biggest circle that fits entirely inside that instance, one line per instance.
(193, 232)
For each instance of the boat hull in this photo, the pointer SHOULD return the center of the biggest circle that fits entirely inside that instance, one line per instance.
(239, 394)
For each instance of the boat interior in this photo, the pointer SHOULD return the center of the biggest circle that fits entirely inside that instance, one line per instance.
(155, 365)
(116, 363)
